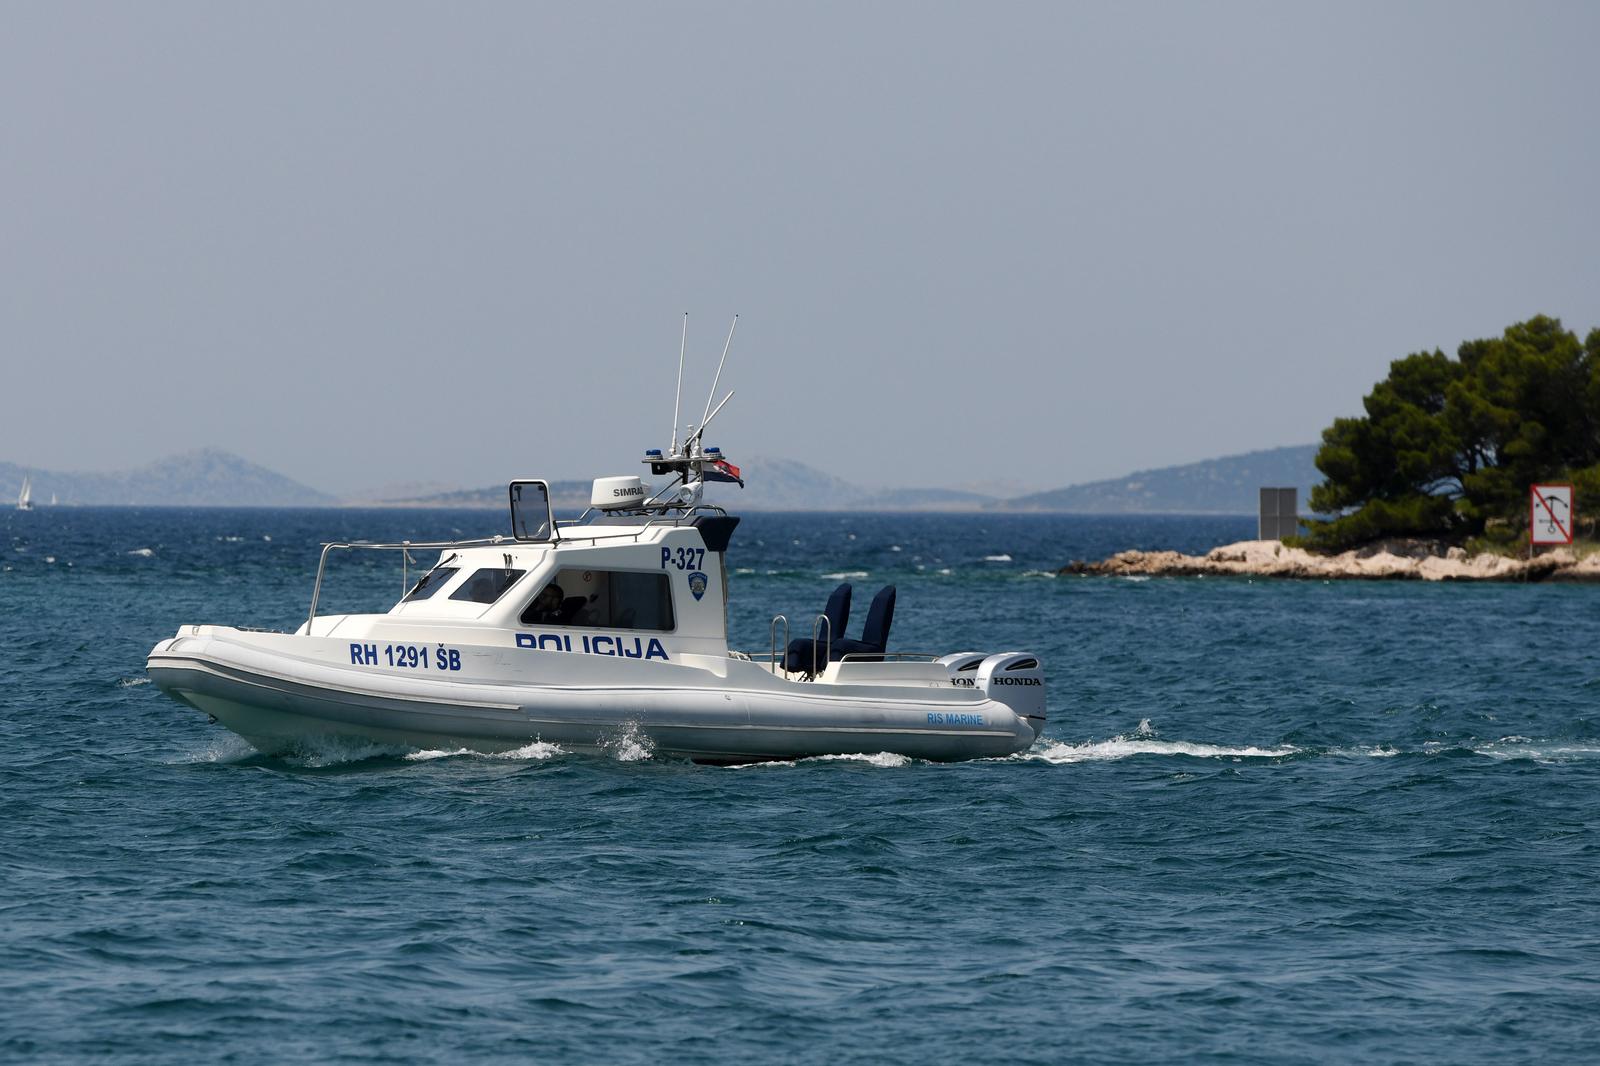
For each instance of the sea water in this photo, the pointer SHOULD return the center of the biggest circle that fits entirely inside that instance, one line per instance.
(1269, 822)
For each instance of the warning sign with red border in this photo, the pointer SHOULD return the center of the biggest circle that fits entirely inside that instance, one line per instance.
(1550, 517)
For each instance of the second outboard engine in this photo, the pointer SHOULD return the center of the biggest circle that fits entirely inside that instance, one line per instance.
(1015, 679)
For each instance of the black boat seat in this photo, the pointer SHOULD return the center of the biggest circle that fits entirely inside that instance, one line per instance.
(875, 634)
(805, 652)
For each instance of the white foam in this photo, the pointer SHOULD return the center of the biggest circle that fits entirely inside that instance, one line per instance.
(1127, 747)
(1040, 573)
(630, 744)
(226, 748)
(322, 752)
(997, 558)
(1379, 751)
(535, 751)
(133, 682)
(1136, 578)
(744, 570)
(895, 548)
(843, 574)
(143, 552)
(884, 759)
(1545, 751)
(946, 571)
(49, 558)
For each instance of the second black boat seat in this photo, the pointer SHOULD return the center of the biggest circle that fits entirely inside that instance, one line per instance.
(803, 653)
(875, 634)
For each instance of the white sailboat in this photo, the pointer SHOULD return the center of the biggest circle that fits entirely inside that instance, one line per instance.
(25, 497)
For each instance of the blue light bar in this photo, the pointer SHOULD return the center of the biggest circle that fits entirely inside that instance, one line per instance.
(652, 453)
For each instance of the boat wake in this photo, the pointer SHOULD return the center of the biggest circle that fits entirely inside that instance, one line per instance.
(537, 751)
(632, 745)
(883, 759)
(1144, 741)
(1126, 747)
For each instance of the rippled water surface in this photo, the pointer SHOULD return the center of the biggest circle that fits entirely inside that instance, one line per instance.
(1270, 822)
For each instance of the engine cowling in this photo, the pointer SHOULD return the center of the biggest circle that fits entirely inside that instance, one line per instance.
(963, 667)
(1016, 679)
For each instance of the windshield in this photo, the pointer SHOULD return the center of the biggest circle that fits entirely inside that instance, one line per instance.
(429, 583)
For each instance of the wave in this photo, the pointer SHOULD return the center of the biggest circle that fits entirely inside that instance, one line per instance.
(1544, 751)
(1127, 747)
(143, 553)
(132, 682)
(997, 559)
(1144, 741)
(846, 574)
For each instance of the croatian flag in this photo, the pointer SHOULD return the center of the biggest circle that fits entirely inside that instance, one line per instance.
(721, 470)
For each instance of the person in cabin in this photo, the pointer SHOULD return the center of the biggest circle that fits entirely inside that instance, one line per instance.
(547, 605)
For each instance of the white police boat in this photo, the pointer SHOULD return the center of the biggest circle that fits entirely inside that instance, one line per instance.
(586, 632)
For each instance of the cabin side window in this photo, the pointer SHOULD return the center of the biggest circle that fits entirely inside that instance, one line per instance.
(487, 585)
(604, 599)
(431, 582)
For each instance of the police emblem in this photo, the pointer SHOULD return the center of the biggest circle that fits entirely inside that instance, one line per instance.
(697, 584)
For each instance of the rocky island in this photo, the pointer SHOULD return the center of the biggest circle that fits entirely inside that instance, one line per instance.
(1402, 559)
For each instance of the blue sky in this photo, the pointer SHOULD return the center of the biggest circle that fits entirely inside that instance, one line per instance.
(372, 243)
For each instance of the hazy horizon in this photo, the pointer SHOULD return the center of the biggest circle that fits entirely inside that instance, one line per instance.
(369, 244)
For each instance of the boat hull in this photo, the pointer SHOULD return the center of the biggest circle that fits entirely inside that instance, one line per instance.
(280, 704)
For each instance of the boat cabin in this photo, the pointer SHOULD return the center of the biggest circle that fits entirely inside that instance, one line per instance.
(624, 580)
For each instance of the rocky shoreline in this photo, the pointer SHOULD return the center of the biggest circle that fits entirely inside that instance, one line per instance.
(1387, 560)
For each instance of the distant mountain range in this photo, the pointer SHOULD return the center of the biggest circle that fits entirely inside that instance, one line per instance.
(208, 477)
(215, 478)
(1216, 486)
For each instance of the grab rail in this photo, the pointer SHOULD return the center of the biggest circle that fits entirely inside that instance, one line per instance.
(675, 522)
(890, 656)
(404, 545)
(823, 623)
(773, 632)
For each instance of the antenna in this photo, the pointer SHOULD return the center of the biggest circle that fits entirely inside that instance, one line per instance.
(706, 415)
(696, 435)
(676, 400)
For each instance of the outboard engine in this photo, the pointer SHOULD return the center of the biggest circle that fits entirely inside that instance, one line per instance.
(963, 667)
(1015, 679)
